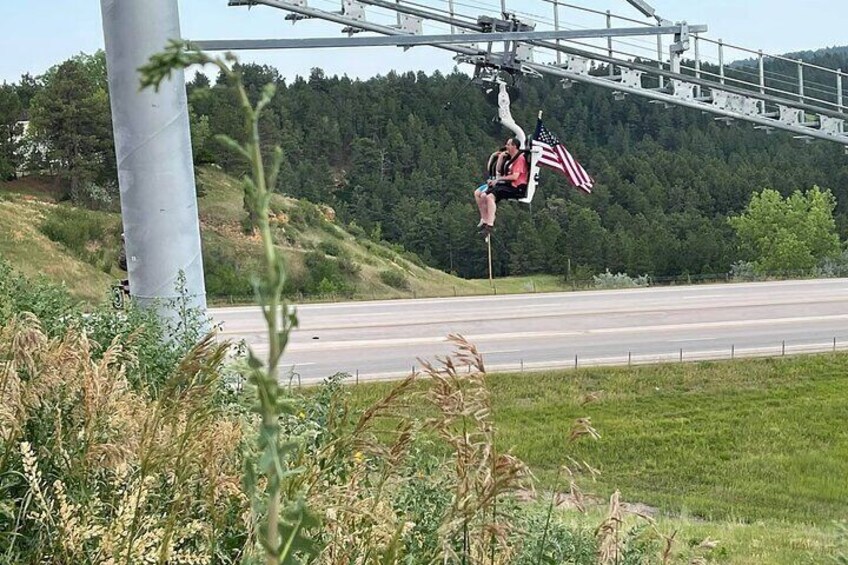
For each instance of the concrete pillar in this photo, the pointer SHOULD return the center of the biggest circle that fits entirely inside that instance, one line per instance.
(153, 147)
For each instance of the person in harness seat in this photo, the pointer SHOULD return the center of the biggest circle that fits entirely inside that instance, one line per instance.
(496, 166)
(509, 184)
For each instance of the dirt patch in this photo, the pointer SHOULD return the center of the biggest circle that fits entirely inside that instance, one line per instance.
(567, 501)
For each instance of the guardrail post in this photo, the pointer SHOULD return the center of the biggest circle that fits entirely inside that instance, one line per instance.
(762, 74)
(733, 351)
(697, 65)
(660, 58)
(609, 43)
(783, 347)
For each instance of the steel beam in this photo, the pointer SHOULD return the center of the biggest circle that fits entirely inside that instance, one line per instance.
(657, 95)
(413, 40)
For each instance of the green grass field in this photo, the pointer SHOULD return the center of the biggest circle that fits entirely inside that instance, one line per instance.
(754, 451)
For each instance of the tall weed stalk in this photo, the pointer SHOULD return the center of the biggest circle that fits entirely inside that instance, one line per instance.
(283, 533)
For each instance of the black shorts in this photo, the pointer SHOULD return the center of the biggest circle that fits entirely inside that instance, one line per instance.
(507, 192)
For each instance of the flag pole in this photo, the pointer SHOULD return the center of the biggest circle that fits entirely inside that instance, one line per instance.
(489, 244)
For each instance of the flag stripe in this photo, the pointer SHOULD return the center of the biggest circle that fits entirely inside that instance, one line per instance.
(576, 179)
(580, 172)
(555, 156)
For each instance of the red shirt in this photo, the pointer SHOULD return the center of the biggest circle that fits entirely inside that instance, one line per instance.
(519, 166)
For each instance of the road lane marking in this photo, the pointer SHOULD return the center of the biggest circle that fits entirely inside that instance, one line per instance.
(372, 343)
(528, 316)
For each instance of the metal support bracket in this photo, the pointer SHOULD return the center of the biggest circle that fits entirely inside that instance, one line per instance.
(737, 103)
(293, 17)
(579, 65)
(411, 25)
(630, 77)
(789, 115)
(683, 90)
(833, 126)
(353, 10)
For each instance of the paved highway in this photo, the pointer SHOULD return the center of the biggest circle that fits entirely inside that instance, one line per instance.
(383, 339)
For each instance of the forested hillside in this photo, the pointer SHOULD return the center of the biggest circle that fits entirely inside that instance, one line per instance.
(398, 156)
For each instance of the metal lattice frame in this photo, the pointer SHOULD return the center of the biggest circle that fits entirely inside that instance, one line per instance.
(680, 82)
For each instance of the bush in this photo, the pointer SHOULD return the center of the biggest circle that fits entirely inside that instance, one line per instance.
(745, 271)
(331, 248)
(304, 215)
(223, 276)
(551, 542)
(325, 276)
(395, 279)
(95, 196)
(50, 303)
(156, 349)
(95, 469)
(835, 267)
(608, 280)
(356, 230)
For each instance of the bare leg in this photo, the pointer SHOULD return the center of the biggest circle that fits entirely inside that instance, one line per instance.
(490, 209)
(478, 198)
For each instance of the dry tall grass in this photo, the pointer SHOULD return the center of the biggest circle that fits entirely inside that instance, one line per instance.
(111, 474)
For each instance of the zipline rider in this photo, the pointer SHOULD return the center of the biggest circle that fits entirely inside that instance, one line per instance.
(510, 186)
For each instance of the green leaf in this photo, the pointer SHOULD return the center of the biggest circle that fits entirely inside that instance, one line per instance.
(252, 361)
(233, 145)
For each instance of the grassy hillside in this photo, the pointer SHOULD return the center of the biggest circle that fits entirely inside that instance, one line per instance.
(79, 247)
(64, 244)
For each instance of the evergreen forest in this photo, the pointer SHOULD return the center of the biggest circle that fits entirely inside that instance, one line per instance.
(397, 158)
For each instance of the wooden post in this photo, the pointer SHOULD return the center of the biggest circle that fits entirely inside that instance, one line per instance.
(489, 245)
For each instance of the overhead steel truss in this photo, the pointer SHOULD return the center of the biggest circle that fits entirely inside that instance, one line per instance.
(670, 82)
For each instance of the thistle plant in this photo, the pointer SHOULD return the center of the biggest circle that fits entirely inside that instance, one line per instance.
(282, 533)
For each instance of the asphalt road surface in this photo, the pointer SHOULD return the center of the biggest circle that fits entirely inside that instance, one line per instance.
(384, 339)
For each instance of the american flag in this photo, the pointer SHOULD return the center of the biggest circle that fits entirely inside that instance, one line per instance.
(555, 156)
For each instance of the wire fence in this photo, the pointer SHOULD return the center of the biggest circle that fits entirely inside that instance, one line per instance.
(783, 348)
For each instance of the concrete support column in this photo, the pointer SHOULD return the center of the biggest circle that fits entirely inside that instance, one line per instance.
(153, 147)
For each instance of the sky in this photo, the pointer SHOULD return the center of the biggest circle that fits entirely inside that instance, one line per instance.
(39, 34)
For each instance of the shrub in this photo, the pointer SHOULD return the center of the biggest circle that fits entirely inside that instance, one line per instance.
(331, 248)
(325, 276)
(96, 196)
(608, 280)
(394, 278)
(356, 230)
(49, 303)
(552, 541)
(745, 271)
(223, 275)
(835, 267)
